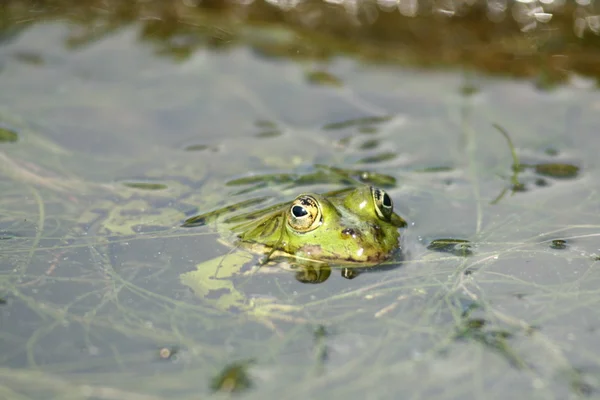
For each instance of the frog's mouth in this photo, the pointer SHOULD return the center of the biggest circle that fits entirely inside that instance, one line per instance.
(316, 253)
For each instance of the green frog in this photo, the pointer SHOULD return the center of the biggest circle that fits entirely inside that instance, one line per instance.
(352, 228)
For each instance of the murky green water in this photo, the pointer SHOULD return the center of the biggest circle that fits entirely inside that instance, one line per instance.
(116, 145)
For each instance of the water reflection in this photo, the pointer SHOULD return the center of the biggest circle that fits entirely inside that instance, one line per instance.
(179, 30)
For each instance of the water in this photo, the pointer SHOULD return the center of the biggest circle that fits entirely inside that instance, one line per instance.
(121, 138)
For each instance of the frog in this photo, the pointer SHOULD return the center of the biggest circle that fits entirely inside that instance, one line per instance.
(350, 229)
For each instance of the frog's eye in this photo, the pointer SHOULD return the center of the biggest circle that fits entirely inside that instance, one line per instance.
(305, 214)
(383, 203)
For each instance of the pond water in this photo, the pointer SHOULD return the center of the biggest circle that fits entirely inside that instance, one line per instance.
(107, 147)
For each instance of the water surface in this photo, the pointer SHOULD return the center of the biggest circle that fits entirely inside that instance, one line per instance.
(110, 145)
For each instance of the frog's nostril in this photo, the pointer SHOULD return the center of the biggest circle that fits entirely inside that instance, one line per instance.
(349, 232)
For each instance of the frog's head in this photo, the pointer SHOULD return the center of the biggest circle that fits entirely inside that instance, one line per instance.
(350, 226)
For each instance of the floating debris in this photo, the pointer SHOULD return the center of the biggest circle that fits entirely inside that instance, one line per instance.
(267, 178)
(557, 170)
(369, 144)
(269, 134)
(145, 185)
(558, 244)
(6, 235)
(360, 122)
(168, 353)
(457, 247)
(197, 147)
(387, 156)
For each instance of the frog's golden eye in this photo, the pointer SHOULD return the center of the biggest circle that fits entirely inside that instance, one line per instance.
(383, 203)
(305, 214)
